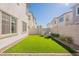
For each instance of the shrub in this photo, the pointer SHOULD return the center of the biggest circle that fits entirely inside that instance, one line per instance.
(62, 38)
(47, 37)
(66, 39)
(55, 35)
(41, 35)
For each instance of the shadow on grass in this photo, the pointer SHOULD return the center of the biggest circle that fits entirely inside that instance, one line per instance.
(73, 52)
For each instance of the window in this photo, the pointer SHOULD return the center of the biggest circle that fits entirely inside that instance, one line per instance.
(8, 24)
(13, 25)
(24, 26)
(28, 17)
(61, 19)
(5, 23)
(78, 10)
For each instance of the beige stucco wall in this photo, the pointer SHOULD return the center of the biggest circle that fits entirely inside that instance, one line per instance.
(70, 30)
(68, 15)
(18, 11)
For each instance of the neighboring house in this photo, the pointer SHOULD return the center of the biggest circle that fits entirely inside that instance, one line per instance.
(41, 30)
(32, 25)
(13, 22)
(53, 25)
(67, 24)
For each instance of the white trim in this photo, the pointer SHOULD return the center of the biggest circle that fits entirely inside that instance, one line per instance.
(0, 22)
(10, 25)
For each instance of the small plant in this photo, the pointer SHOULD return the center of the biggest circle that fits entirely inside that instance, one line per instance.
(69, 40)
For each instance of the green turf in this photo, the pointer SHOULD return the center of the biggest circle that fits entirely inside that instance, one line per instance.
(36, 44)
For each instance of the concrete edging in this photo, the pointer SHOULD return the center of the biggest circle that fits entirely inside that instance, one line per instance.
(35, 54)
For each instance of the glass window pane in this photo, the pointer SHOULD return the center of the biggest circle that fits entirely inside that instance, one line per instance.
(78, 10)
(24, 26)
(5, 23)
(61, 19)
(13, 25)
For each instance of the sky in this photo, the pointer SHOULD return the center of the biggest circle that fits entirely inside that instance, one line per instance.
(45, 12)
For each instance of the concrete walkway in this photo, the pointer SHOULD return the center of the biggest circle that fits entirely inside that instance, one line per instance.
(7, 41)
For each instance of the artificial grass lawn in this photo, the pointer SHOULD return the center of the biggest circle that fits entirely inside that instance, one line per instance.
(36, 44)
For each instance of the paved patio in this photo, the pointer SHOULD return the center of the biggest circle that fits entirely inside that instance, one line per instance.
(7, 41)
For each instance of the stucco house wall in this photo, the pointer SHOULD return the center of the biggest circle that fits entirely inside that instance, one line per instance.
(68, 27)
(19, 12)
(32, 25)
